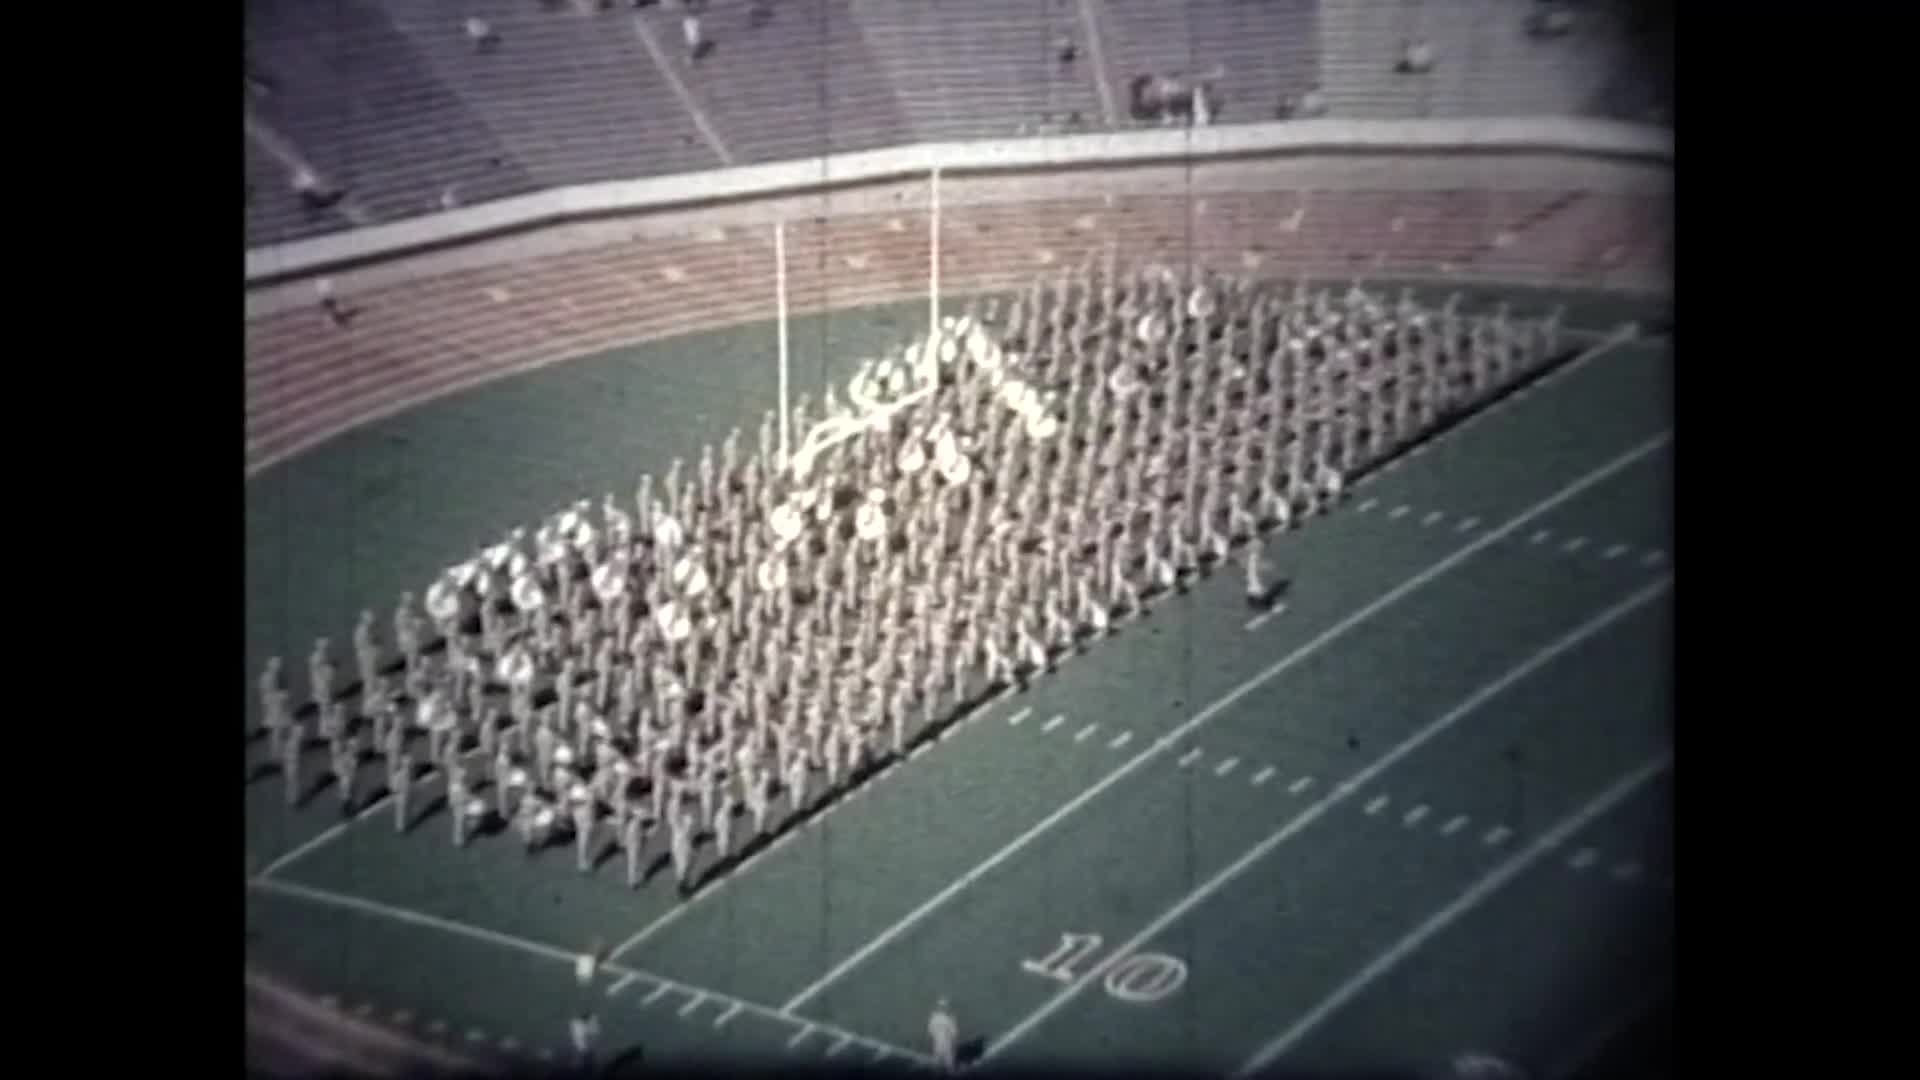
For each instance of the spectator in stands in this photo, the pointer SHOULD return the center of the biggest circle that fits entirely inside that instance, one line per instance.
(1305, 107)
(1416, 57)
(759, 13)
(1065, 49)
(337, 313)
(482, 34)
(697, 45)
(1550, 21)
(1157, 98)
(450, 197)
(313, 192)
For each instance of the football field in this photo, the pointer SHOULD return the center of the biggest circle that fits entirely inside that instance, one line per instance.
(1422, 812)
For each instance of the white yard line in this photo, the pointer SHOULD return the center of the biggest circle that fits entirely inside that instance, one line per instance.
(1621, 789)
(1172, 738)
(1266, 616)
(673, 914)
(1327, 802)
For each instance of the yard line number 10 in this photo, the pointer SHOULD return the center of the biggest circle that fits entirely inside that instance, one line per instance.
(1140, 979)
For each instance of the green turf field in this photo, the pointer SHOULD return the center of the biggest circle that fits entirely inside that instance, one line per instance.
(1424, 811)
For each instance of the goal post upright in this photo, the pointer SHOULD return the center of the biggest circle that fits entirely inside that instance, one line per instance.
(933, 253)
(780, 323)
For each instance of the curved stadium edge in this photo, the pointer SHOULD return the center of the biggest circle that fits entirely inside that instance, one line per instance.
(1482, 202)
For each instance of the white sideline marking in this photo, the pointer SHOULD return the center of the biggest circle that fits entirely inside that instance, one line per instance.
(1226, 766)
(1179, 733)
(1055, 721)
(476, 1035)
(1540, 537)
(1019, 716)
(1574, 544)
(1432, 516)
(692, 1004)
(1378, 804)
(1627, 871)
(799, 1035)
(1120, 740)
(1615, 551)
(1466, 525)
(1367, 504)
(721, 1020)
(510, 1044)
(1459, 906)
(1497, 835)
(658, 991)
(1300, 785)
(1652, 557)
(1326, 804)
(1414, 816)
(1086, 731)
(1192, 756)
(839, 1044)
(339, 829)
(1454, 826)
(1583, 858)
(1262, 776)
(1266, 616)
(1400, 511)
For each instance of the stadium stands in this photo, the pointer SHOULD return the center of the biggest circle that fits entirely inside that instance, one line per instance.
(803, 85)
(365, 105)
(1485, 63)
(985, 69)
(1263, 52)
(392, 100)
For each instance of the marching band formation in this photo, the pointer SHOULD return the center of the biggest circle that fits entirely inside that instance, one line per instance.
(730, 649)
